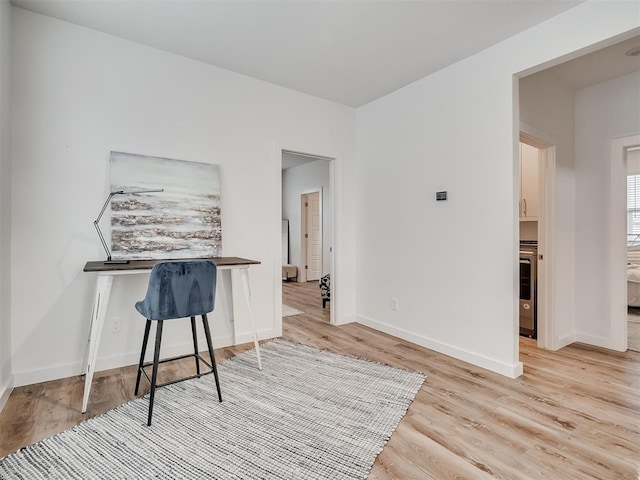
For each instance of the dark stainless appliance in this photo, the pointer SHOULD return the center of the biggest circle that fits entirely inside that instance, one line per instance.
(528, 288)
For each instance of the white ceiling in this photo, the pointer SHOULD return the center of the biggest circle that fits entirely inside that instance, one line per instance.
(350, 52)
(293, 159)
(598, 66)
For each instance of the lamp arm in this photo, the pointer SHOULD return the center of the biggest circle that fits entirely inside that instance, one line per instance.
(106, 203)
(104, 244)
(104, 207)
(97, 221)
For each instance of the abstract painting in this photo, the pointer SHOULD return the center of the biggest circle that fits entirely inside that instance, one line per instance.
(181, 221)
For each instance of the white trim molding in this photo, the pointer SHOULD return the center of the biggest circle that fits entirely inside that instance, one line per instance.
(5, 392)
(131, 358)
(508, 370)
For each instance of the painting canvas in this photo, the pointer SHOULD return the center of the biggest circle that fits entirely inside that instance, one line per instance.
(181, 221)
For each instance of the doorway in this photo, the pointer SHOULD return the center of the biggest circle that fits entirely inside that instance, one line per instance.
(537, 177)
(631, 162)
(308, 207)
(579, 234)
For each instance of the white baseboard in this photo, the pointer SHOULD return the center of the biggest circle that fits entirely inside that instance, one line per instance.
(597, 341)
(508, 370)
(563, 341)
(130, 358)
(345, 319)
(594, 340)
(5, 392)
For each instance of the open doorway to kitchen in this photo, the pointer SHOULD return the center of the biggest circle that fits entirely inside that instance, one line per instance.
(537, 171)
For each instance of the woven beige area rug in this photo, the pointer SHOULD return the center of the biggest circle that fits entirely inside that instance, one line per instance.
(309, 414)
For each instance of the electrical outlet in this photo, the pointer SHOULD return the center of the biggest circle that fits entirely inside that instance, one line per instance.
(115, 324)
(395, 304)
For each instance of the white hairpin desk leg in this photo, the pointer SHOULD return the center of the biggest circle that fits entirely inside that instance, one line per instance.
(244, 279)
(98, 313)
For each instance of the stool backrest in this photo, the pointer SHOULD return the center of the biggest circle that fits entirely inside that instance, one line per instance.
(179, 289)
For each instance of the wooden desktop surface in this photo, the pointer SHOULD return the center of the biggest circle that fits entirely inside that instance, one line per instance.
(100, 266)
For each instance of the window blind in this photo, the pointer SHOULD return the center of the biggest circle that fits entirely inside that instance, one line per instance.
(633, 209)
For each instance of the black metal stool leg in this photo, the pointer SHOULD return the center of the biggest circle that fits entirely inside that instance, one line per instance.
(154, 375)
(142, 354)
(195, 344)
(207, 333)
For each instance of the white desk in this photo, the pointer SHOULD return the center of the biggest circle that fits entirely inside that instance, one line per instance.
(105, 272)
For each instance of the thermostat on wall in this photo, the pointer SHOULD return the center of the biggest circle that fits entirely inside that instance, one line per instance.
(441, 196)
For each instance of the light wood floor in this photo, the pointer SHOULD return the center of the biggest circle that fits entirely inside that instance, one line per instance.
(574, 414)
(633, 329)
(306, 297)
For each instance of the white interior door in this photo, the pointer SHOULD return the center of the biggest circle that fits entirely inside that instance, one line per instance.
(312, 235)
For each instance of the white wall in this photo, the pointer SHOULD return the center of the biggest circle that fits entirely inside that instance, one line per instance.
(633, 162)
(452, 265)
(603, 112)
(547, 107)
(295, 181)
(528, 230)
(79, 94)
(6, 377)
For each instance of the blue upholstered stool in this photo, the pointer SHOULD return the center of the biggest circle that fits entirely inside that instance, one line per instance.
(178, 289)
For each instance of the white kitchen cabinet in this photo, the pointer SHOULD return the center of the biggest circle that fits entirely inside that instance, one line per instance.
(529, 183)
